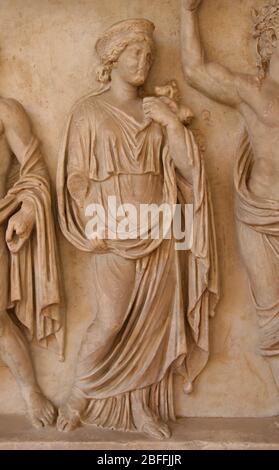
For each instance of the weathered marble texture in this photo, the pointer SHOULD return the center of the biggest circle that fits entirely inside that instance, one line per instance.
(47, 62)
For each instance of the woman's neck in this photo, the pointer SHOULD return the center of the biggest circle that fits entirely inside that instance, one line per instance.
(123, 91)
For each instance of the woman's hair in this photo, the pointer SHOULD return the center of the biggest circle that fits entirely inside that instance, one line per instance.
(115, 39)
(103, 72)
(266, 30)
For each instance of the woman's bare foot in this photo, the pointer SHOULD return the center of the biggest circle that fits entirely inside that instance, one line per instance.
(68, 419)
(147, 422)
(155, 428)
(41, 411)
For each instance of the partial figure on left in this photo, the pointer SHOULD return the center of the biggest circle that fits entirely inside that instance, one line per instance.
(30, 294)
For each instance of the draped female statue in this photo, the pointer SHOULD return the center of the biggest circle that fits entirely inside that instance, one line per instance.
(148, 324)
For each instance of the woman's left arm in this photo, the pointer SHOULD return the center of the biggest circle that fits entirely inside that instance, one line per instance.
(160, 112)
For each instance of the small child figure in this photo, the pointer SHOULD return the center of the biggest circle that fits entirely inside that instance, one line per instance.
(171, 96)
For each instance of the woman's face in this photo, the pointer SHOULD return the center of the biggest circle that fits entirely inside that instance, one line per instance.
(134, 63)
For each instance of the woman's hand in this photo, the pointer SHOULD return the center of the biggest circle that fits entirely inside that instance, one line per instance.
(159, 111)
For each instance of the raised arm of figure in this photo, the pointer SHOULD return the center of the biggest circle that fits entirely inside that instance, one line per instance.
(218, 82)
(212, 79)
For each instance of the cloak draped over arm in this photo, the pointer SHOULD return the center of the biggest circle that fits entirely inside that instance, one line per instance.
(35, 288)
(202, 261)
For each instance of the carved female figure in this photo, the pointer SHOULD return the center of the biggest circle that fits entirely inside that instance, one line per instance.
(146, 327)
(256, 98)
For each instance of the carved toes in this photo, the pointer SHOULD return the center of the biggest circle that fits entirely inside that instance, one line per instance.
(37, 423)
(154, 431)
(165, 431)
(66, 422)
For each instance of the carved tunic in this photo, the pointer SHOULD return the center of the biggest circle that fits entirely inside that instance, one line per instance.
(164, 328)
(125, 160)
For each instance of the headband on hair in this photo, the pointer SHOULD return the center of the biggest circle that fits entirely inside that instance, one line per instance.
(122, 33)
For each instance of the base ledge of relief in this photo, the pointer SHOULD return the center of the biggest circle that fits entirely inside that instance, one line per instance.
(187, 434)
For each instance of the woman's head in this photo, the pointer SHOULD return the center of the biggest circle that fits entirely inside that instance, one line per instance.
(127, 47)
